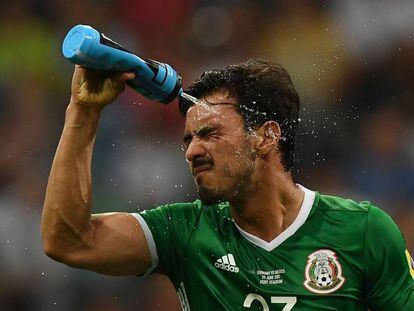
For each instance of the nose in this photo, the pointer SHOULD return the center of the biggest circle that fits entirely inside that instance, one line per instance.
(195, 149)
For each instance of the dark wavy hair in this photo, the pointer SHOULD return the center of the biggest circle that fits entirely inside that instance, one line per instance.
(263, 91)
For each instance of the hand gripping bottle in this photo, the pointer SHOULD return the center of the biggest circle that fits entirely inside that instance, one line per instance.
(157, 81)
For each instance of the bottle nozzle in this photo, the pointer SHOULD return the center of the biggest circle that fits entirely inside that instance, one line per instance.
(185, 102)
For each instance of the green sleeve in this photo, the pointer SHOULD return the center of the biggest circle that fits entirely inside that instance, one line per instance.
(167, 229)
(388, 283)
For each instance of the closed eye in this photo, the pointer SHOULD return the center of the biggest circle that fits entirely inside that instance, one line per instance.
(187, 139)
(206, 131)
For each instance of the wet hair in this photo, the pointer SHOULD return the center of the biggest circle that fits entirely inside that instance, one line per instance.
(263, 91)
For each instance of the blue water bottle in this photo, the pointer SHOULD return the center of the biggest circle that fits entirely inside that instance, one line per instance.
(83, 45)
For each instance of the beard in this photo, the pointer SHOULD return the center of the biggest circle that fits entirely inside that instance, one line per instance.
(209, 196)
(232, 187)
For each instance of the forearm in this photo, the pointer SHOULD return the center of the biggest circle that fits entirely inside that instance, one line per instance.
(66, 213)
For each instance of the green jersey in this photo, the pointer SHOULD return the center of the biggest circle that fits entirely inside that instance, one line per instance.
(336, 255)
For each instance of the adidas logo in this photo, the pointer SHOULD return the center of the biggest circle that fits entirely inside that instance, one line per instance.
(227, 263)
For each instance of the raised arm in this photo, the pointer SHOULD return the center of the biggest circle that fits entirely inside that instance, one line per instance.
(107, 243)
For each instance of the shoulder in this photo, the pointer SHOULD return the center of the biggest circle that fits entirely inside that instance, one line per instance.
(172, 214)
(364, 213)
(176, 209)
(373, 213)
(339, 204)
(189, 212)
(185, 207)
(379, 222)
(345, 216)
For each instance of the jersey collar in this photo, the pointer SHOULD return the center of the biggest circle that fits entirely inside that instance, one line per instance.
(302, 216)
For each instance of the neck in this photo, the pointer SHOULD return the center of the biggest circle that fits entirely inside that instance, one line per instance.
(270, 206)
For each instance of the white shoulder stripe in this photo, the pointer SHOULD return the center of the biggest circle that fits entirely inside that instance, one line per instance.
(182, 295)
(150, 241)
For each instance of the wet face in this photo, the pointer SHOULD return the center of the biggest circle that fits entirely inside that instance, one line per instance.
(218, 149)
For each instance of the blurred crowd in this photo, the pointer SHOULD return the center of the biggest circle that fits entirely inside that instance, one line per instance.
(351, 61)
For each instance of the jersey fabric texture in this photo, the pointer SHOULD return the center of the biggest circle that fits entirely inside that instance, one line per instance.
(336, 255)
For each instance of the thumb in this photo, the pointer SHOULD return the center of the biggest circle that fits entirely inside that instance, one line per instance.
(124, 77)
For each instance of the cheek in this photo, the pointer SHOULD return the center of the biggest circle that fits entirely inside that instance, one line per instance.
(234, 163)
(231, 154)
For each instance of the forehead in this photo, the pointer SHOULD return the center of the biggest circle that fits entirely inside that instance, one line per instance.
(217, 108)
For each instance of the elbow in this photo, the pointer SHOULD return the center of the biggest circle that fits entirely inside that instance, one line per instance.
(64, 246)
(53, 252)
(49, 245)
(69, 256)
(58, 246)
(56, 251)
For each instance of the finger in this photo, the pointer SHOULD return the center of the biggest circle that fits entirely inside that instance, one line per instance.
(124, 77)
(78, 70)
(79, 67)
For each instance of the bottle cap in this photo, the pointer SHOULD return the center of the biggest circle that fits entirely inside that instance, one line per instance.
(78, 43)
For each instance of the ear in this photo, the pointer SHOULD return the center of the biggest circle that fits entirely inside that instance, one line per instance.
(268, 137)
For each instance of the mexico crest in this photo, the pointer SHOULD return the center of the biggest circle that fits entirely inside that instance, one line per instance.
(323, 272)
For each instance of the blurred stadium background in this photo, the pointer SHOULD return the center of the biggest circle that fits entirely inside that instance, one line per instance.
(352, 62)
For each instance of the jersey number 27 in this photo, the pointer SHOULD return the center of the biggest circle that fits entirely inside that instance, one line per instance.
(288, 301)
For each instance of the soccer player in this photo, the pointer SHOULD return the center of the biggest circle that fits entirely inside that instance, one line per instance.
(255, 240)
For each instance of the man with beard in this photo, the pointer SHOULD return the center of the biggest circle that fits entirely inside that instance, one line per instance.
(255, 239)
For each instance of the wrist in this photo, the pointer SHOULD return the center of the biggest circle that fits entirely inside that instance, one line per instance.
(78, 115)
